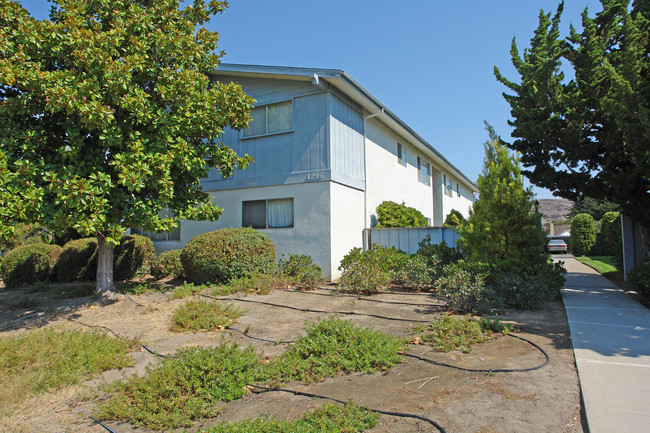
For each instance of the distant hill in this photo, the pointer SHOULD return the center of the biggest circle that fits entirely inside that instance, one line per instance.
(554, 209)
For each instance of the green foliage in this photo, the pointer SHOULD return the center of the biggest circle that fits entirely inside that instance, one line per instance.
(329, 417)
(109, 116)
(167, 264)
(334, 345)
(437, 255)
(451, 333)
(261, 284)
(594, 207)
(610, 230)
(187, 289)
(28, 264)
(140, 288)
(417, 272)
(201, 315)
(78, 261)
(604, 265)
(25, 234)
(367, 271)
(524, 290)
(454, 218)
(225, 254)
(502, 227)
(302, 269)
(463, 284)
(40, 360)
(133, 257)
(182, 389)
(640, 277)
(391, 214)
(580, 111)
(583, 234)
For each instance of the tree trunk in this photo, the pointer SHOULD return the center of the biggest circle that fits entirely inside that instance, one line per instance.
(104, 286)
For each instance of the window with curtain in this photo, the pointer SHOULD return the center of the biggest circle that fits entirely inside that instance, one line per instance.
(173, 235)
(270, 119)
(273, 213)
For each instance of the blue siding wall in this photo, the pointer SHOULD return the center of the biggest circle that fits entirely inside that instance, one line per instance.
(303, 154)
(346, 138)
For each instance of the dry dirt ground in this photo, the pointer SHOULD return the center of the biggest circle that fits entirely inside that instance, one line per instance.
(544, 400)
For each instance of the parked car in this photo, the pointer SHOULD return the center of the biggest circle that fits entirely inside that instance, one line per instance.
(557, 246)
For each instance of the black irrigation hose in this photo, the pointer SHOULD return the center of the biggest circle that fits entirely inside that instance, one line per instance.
(379, 411)
(132, 300)
(310, 310)
(91, 417)
(369, 300)
(488, 370)
(246, 334)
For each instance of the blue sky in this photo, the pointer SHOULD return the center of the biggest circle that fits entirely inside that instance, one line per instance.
(429, 61)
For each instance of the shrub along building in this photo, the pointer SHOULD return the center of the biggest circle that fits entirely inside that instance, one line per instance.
(327, 153)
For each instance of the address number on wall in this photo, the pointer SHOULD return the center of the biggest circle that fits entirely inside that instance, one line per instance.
(315, 176)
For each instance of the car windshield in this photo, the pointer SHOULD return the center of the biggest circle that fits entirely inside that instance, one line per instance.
(556, 242)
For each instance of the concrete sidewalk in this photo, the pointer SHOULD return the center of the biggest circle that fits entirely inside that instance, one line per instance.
(611, 342)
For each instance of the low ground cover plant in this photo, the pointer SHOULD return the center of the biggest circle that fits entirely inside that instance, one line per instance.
(261, 284)
(29, 264)
(301, 268)
(184, 388)
(452, 333)
(333, 345)
(40, 360)
(327, 418)
(226, 254)
(187, 289)
(202, 315)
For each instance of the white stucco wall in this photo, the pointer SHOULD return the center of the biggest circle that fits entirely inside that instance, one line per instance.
(387, 179)
(310, 234)
(461, 203)
(346, 223)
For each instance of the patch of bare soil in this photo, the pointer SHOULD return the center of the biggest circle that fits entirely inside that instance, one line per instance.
(543, 400)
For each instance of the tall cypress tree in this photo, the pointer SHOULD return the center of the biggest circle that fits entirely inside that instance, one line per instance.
(587, 134)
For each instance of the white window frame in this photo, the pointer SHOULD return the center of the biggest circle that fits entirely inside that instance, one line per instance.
(266, 122)
(421, 162)
(449, 185)
(401, 154)
(266, 213)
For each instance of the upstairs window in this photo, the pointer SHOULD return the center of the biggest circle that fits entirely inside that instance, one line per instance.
(448, 185)
(401, 154)
(271, 214)
(424, 171)
(270, 119)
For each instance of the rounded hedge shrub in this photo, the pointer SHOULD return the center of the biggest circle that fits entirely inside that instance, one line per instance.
(28, 264)
(226, 254)
(77, 261)
(133, 257)
(391, 214)
(610, 230)
(167, 264)
(583, 234)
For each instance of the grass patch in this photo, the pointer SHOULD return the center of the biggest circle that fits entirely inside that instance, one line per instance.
(40, 360)
(140, 288)
(328, 418)
(182, 389)
(187, 289)
(201, 315)
(604, 265)
(450, 333)
(334, 345)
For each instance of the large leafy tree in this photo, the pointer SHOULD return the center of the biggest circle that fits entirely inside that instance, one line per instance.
(107, 116)
(587, 133)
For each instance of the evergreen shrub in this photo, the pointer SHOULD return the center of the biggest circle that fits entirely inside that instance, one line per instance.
(640, 277)
(367, 271)
(610, 231)
(391, 214)
(225, 254)
(583, 234)
(133, 257)
(454, 219)
(167, 264)
(77, 261)
(302, 269)
(29, 264)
